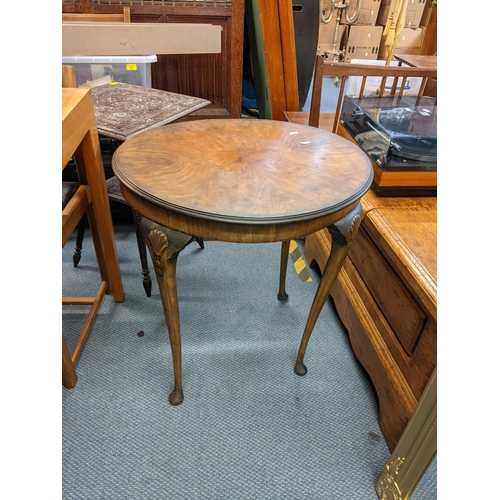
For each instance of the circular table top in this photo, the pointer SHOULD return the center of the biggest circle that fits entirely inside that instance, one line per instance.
(244, 170)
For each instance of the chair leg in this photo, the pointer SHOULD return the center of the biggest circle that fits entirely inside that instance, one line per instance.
(146, 279)
(200, 242)
(79, 240)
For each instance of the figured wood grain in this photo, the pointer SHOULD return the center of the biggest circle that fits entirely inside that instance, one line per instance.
(244, 170)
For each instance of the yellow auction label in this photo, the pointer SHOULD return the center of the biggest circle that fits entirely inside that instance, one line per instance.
(131, 67)
(299, 263)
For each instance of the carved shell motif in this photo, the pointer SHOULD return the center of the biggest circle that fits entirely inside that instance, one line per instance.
(159, 244)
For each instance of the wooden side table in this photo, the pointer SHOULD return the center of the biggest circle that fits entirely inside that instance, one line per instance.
(241, 181)
(424, 62)
(80, 138)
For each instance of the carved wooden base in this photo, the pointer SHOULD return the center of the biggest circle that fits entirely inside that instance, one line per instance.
(342, 234)
(165, 245)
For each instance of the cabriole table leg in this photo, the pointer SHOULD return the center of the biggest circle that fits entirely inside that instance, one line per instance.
(342, 233)
(164, 247)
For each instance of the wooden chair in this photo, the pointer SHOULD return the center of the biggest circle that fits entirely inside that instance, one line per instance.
(330, 120)
(114, 193)
(103, 18)
(69, 188)
(79, 125)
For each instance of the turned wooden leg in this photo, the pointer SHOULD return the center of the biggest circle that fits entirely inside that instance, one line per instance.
(79, 240)
(69, 377)
(146, 279)
(164, 246)
(342, 233)
(285, 250)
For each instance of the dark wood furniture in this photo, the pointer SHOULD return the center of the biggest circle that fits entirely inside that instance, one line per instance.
(421, 61)
(386, 296)
(411, 180)
(80, 138)
(417, 61)
(216, 77)
(242, 181)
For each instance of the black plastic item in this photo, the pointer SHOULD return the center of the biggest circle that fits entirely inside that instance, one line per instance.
(306, 29)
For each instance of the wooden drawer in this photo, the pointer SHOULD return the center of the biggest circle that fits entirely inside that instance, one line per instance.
(403, 313)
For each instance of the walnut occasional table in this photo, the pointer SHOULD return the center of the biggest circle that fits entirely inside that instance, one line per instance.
(241, 181)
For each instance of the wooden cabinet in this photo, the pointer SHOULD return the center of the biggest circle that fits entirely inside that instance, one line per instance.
(386, 296)
(216, 77)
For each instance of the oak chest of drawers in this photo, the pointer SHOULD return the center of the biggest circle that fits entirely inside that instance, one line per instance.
(386, 296)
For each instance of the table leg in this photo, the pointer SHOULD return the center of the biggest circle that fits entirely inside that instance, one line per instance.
(342, 233)
(285, 250)
(90, 170)
(164, 247)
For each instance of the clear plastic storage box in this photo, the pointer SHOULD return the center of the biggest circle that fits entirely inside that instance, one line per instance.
(125, 69)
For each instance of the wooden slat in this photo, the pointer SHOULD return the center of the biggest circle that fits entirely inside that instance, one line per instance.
(88, 323)
(127, 39)
(74, 210)
(92, 18)
(348, 69)
(78, 301)
(290, 77)
(271, 38)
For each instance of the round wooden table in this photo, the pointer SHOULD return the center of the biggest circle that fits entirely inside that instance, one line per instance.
(245, 181)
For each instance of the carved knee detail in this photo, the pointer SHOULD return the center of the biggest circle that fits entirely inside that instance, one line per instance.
(159, 243)
(345, 229)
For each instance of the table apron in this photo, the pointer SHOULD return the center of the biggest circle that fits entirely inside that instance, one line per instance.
(238, 232)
